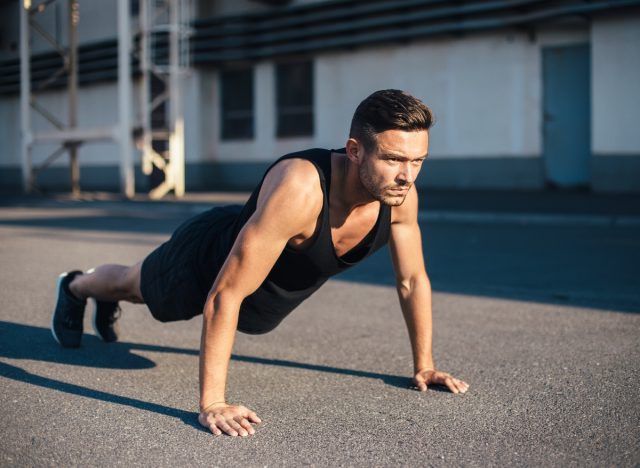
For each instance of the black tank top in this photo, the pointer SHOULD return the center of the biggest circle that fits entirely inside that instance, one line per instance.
(299, 273)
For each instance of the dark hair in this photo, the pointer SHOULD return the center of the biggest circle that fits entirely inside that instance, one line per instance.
(388, 109)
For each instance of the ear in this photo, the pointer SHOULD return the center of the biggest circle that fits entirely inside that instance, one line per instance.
(355, 151)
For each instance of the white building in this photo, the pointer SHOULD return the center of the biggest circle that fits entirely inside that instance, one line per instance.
(527, 94)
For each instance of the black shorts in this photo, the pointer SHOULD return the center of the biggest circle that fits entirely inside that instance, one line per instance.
(176, 277)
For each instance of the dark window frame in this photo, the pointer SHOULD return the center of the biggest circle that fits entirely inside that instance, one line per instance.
(294, 82)
(237, 104)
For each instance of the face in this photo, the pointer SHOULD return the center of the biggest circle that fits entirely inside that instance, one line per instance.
(389, 170)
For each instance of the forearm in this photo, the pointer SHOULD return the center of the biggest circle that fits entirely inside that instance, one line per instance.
(415, 301)
(220, 319)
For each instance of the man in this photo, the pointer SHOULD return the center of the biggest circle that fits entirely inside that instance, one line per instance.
(314, 214)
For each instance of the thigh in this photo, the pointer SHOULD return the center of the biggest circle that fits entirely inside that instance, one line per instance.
(168, 281)
(172, 278)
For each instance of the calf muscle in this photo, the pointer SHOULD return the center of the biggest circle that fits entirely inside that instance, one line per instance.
(110, 283)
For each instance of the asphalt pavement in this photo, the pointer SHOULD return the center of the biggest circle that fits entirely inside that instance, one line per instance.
(536, 303)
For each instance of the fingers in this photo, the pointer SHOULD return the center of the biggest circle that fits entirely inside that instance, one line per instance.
(246, 425)
(237, 429)
(253, 417)
(421, 386)
(420, 383)
(234, 422)
(455, 385)
(451, 385)
(208, 420)
(459, 385)
(224, 426)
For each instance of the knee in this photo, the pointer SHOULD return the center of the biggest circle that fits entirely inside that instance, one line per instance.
(129, 285)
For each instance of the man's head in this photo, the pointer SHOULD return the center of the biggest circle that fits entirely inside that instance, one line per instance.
(388, 109)
(388, 141)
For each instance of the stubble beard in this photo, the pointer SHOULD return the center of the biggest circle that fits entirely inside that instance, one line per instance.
(381, 193)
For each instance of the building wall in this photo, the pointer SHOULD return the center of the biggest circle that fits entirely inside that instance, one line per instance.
(616, 103)
(480, 90)
(485, 91)
(484, 88)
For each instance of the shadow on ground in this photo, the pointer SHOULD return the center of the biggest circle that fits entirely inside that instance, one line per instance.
(21, 375)
(21, 341)
(36, 344)
(582, 266)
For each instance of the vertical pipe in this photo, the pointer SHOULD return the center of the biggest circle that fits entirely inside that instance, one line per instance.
(72, 75)
(145, 90)
(25, 97)
(124, 100)
(176, 142)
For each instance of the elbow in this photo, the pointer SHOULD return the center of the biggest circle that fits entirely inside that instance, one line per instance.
(405, 287)
(408, 286)
(221, 302)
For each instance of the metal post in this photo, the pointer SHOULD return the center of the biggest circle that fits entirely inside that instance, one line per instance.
(72, 75)
(25, 96)
(157, 17)
(145, 91)
(124, 100)
(176, 141)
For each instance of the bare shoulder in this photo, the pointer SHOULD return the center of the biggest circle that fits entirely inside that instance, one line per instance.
(407, 213)
(294, 171)
(293, 184)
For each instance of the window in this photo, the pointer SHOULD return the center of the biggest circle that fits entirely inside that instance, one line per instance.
(294, 99)
(236, 89)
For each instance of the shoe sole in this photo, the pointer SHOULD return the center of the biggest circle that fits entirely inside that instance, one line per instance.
(53, 315)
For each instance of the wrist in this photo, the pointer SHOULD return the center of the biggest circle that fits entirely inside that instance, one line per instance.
(424, 367)
(211, 405)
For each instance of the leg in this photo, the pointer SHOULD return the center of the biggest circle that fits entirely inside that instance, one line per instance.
(110, 283)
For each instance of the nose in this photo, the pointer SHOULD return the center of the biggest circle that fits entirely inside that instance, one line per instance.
(406, 176)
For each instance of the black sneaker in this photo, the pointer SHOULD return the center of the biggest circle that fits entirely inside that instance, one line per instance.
(105, 316)
(66, 321)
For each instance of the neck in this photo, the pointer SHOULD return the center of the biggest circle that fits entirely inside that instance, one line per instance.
(346, 185)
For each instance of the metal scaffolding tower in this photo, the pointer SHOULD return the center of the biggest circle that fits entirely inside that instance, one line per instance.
(162, 22)
(68, 135)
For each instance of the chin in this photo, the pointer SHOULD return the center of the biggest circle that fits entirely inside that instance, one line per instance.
(391, 201)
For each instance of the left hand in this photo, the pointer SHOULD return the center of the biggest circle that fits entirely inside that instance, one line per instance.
(423, 379)
(232, 419)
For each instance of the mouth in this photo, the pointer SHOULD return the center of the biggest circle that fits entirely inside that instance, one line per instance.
(398, 191)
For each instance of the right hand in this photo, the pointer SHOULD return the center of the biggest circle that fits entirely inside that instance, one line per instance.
(230, 419)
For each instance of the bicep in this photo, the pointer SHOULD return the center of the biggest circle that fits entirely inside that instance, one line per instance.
(252, 256)
(406, 251)
(406, 240)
